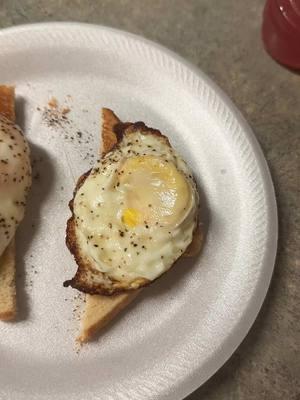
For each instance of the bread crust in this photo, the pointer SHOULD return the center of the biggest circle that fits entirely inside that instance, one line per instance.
(8, 302)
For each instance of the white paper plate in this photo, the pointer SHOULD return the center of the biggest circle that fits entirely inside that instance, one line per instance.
(184, 327)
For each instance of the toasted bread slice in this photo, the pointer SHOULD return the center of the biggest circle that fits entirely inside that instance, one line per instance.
(100, 310)
(8, 304)
(109, 138)
(7, 102)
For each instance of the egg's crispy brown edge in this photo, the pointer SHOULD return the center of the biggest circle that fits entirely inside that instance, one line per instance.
(86, 276)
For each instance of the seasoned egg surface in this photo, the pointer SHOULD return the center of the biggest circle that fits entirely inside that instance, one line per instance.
(15, 179)
(135, 213)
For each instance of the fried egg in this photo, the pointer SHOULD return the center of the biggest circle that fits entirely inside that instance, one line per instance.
(15, 179)
(134, 214)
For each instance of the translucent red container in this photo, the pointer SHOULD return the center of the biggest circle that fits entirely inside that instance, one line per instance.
(281, 31)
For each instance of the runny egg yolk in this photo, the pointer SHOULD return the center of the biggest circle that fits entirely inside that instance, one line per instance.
(155, 192)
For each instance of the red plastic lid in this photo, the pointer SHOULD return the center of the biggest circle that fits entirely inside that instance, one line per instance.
(281, 31)
(290, 9)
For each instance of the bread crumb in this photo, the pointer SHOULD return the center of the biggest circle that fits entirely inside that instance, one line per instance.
(65, 110)
(54, 115)
(77, 346)
(53, 103)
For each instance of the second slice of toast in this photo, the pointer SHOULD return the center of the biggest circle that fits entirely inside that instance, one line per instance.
(8, 304)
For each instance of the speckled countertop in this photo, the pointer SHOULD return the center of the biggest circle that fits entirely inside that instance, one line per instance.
(223, 39)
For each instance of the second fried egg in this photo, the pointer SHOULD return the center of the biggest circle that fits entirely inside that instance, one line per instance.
(15, 179)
